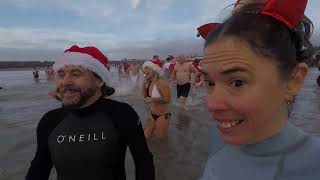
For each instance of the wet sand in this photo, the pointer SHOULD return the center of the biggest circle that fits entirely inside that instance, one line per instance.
(183, 155)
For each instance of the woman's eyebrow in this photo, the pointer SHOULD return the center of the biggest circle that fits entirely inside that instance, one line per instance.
(234, 70)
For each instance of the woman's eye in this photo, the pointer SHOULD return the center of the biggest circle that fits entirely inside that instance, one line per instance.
(237, 83)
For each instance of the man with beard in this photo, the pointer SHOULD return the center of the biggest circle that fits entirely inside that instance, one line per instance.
(87, 138)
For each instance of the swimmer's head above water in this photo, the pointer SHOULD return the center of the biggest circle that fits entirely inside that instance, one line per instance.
(152, 70)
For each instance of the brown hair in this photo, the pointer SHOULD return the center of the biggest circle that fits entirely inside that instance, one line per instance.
(105, 90)
(268, 37)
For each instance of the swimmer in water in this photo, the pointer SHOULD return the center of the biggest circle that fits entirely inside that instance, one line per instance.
(182, 73)
(35, 73)
(88, 137)
(156, 92)
(135, 75)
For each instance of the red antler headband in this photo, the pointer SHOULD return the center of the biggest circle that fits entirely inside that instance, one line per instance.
(289, 12)
(205, 29)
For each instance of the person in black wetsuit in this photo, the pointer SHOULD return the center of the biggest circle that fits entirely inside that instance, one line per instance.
(35, 73)
(87, 138)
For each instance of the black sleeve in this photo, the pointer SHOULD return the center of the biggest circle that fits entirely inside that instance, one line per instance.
(138, 146)
(41, 164)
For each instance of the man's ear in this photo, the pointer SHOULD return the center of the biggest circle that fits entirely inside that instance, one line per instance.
(296, 80)
(100, 82)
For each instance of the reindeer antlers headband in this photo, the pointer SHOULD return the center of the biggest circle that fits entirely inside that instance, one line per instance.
(289, 12)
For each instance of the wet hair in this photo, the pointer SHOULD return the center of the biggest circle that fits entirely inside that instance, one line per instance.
(268, 37)
(105, 90)
(156, 75)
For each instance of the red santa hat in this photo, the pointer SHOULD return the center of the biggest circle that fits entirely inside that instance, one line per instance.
(89, 58)
(154, 65)
(171, 58)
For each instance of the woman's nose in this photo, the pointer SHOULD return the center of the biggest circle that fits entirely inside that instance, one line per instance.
(216, 100)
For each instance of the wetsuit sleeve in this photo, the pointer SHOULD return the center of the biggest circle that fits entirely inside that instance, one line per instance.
(41, 164)
(138, 146)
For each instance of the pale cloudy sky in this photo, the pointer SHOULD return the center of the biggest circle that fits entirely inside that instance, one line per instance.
(41, 29)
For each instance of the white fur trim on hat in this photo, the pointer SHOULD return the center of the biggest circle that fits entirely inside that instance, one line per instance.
(84, 60)
(153, 66)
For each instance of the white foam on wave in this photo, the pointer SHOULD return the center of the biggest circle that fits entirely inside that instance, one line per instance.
(127, 87)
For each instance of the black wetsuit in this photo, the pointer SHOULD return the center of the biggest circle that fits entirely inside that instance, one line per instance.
(91, 143)
(36, 74)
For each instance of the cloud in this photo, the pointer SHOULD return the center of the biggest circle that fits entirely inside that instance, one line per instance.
(93, 8)
(13, 54)
(135, 3)
(33, 38)
(146, 27)
(146, 49)
(215, 10)
(162, 48)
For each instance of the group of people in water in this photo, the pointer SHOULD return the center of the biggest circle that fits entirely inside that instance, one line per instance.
(253, 67)
(48, 71)
(157, 93)
(155, 78)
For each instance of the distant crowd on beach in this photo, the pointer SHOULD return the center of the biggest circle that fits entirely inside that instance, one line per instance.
(48, 71)
(134, 66)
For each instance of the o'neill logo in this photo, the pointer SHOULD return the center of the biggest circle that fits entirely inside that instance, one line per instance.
(80, 138)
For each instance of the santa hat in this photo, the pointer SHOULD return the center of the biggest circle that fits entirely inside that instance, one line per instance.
(89, 58)
(154, 65)
(171, 58)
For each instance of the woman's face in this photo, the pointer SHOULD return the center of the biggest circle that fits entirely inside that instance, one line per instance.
(148, 73)
(246, 96)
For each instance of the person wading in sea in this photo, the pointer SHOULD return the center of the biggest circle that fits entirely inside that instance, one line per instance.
(88, 137)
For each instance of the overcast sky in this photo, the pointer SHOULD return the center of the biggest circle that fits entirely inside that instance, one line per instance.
(40, 29)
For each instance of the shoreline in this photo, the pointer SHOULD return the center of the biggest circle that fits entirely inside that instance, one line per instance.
(21, 69)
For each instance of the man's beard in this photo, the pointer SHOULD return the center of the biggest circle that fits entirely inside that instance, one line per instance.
(78, 100)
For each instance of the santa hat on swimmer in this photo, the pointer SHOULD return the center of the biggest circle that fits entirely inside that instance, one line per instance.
(170, 58)
(90, 58)
(154, 65)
